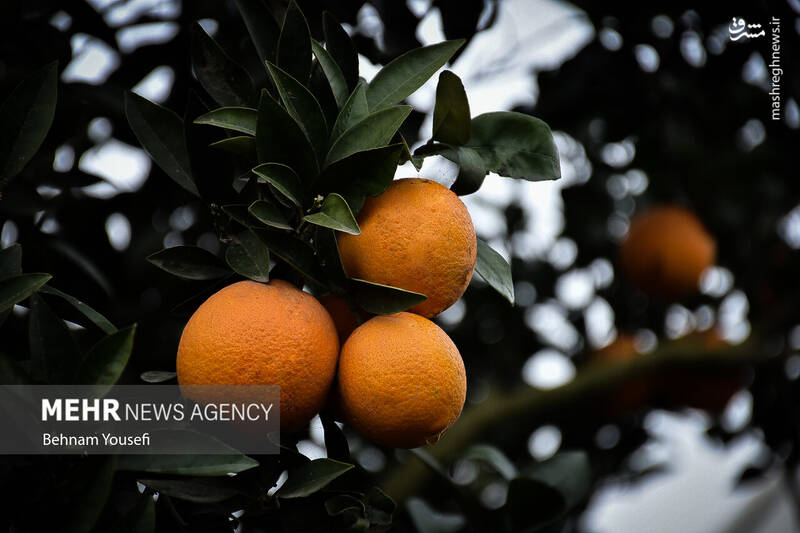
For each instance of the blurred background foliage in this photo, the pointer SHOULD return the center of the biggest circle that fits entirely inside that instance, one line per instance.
(655, 105)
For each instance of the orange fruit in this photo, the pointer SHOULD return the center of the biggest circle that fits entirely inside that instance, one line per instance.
(252, 333)
(417, 236)
(345, 318)
(666, 251)
(401, 380)
(631, 395)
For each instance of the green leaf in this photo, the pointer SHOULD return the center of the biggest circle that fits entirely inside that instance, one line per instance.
(494, 458)
(384, 299)
(226, 81)
(279, 139)
(341, 503)
(96, 318)
(241, 119)
(294, 44)
(25, 118)
(239, 213)
(353, 111)
(284, 179)
(333, 72)
(190, 262)
(104, 363)
(296, 253)
(341, 48)
(249, 257)
(511, 144)
(140, 519)
(157, 376)
(369, 172)
(428, 520)
(16, 288)
(495, 271)
(568, 472)
(335, 440)
(93, 498)
(54, 353)
(321, 89)
(380, 507)
(302, 106)
(160, 132)
(10, 261)
(261, 26)
(242, 145)
(451, 117)
(330, 260)
(311, 477)
(407, 73)
(373, 131)
(189, 464)
(270, 215)
(335, 214)
(204, 490)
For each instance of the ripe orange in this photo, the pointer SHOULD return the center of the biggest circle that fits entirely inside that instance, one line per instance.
(632, 394)
(401, 380)
(263, 334)
(666, 251)
(417, 236)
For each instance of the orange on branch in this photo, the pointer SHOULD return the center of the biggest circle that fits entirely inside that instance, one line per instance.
(417, 236)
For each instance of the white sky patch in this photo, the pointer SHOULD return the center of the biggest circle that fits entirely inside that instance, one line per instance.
(124, 167)
(130, 38)
(157, 85)
(93, 61)
(548, 369)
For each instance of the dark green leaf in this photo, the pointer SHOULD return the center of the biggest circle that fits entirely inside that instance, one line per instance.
(451, 118)
(568, 472)
(532, 504)
(261, 26)
(341, 49)
(140, 519)
(93, 498)
(189, 262)
(10, 261)
(203, 490)
(472, 169)
(25, 119)
(241, 119)
(239, 213)
(311, 477)
(96, 318)
(157, 376)
(494, 458)
(495, 271)
(269, 214)
(212, 172)
(294, 44)
(321, 89)
(225, 80)
(284, 179)
(54, 353)
(380, 507)
(369, 172)
(333, 72)
(302, 106)
(428, 520)
(160, 132)
(511, 144)
(335, 440)
(344, 502)
(249, 257)
(335, 214)
(16, 288)
(104, 363)
(279, 139)
(383, 299)
(407, 73)
(189, 464)
(354, 110)
(373, 131)
(295, 253)
(329, 259)
(242, 145)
